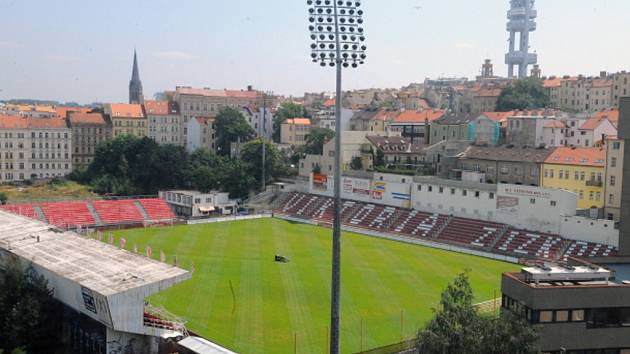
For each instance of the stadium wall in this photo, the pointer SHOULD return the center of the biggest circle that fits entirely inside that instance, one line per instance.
(584, 229)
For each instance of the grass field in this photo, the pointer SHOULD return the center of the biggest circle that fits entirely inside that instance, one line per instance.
(278, 307)
(47, 191)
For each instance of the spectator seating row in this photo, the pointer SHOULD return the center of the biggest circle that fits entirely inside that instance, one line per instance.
(157, 209)
(72, 214)
(491, 236)
(68, 214)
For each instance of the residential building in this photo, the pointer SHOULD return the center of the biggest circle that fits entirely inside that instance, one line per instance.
(26, 110)
(526, 128)
(580, 307)
(164, 122)
(201, 134)
(32, 148)
(207, 103)
(195, 204)
(451, 126)
(294, 131)
(621, 87)
(259, 119)
(553, 88)
(354, 144)
(373, 120)
(88, 130)
(489, 128)
(415, 124)
(595, 130)
(398, 152)
(614, 178)
(127, 119)
(62, 111)
(580, 93)
(579, 170)
(485, 100)
(505, 164)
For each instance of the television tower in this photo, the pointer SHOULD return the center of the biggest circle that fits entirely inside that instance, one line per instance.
(521, 20)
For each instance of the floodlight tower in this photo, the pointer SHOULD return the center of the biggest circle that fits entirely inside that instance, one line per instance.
(336, 28)
(521, 16)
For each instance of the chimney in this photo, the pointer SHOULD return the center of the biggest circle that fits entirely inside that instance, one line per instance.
(624, 134)
(603, 74)
(250, 88)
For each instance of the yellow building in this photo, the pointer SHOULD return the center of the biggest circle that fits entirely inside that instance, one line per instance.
(579, 170)
(294, 131)
(127, 119)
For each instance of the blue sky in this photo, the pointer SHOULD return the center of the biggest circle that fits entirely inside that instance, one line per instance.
(81, 50)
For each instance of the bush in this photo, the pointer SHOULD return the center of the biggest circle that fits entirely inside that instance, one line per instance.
(3, 198)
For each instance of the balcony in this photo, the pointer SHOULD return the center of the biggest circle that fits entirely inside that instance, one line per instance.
(594, 183)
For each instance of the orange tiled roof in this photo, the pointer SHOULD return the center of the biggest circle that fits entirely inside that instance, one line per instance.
(86, 118)
(46, 123)
(592, 123)
(498, 116)
(123, 110)
(298, 121)
(551, 83)
(556, 124)
(160, 108)
(62, 111)
(385, 115)
(329, 103)
(612, 115)
(13, 122)
(579, 156)
(419, 116)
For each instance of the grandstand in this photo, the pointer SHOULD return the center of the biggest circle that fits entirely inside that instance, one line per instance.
(474, 234)
(97, 213)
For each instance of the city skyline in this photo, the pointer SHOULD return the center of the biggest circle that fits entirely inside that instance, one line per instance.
(84, 53)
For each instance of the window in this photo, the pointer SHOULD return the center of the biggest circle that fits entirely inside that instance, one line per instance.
(430, 188)
(553, 203)
(491, 196)
(561, 174)
(613, 162)
(441, 190)
(613, 180)
(616, 145)
(476, 194)
(611, 198)
(464, 192)
(562, 316)
(577, 175)
(591, 195)
(419, 187)
(546, 316)
(532, 201)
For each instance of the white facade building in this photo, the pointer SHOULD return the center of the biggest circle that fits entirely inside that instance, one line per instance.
(194, 204)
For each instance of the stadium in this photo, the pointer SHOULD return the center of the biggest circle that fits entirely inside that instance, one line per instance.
(396, 263)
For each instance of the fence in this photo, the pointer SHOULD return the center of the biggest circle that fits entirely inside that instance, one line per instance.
(230, 218)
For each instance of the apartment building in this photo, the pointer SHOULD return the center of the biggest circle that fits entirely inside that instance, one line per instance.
(621, 87)
(586, 94)
(164, 122)
(294, 131)
(415, 124)
(579, 170)
(505, 164)
(33, 148)
(526, 128)
(614, 178)
(201, 134)
(207, 103)
(88, 130)
(260, 120)
(127, 119)
(451, 127)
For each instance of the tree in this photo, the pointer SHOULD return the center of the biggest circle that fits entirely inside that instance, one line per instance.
(523, 95)
(286, 111)
(231, 127)
(316, 139)
(458, 328)
(3, 198)
(356, 163)
(29, 316)
(379, 159)
(251, 156)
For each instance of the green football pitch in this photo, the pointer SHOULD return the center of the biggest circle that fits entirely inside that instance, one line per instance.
(241, 298)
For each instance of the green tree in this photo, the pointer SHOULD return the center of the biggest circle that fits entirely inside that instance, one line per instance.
(3, 198)
(29, 316)
(379, 159)
(251, 156)
(286, 111)
(231, 127)
(356, 163)
(316, 139)
(523, 95)
(457, 327)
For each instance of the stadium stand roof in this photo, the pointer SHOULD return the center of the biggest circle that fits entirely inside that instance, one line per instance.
(96, 265)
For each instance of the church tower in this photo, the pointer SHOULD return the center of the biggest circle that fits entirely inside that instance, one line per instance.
(135, 85)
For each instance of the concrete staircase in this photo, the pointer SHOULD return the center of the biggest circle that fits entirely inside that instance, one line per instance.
(40, 214)
(144, 213)
(97, 218)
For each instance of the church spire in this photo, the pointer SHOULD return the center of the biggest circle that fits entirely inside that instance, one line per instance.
(135, 85)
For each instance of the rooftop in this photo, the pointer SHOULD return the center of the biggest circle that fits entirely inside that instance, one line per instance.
(298, 121)
(160, 108)
(412, 116)
(507, 153)
(216, 93)
(96, 265)
(123, 110)
(395, 144)
(86, 118)
(578, 156)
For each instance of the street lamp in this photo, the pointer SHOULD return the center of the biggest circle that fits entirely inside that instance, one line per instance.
(337, 33)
